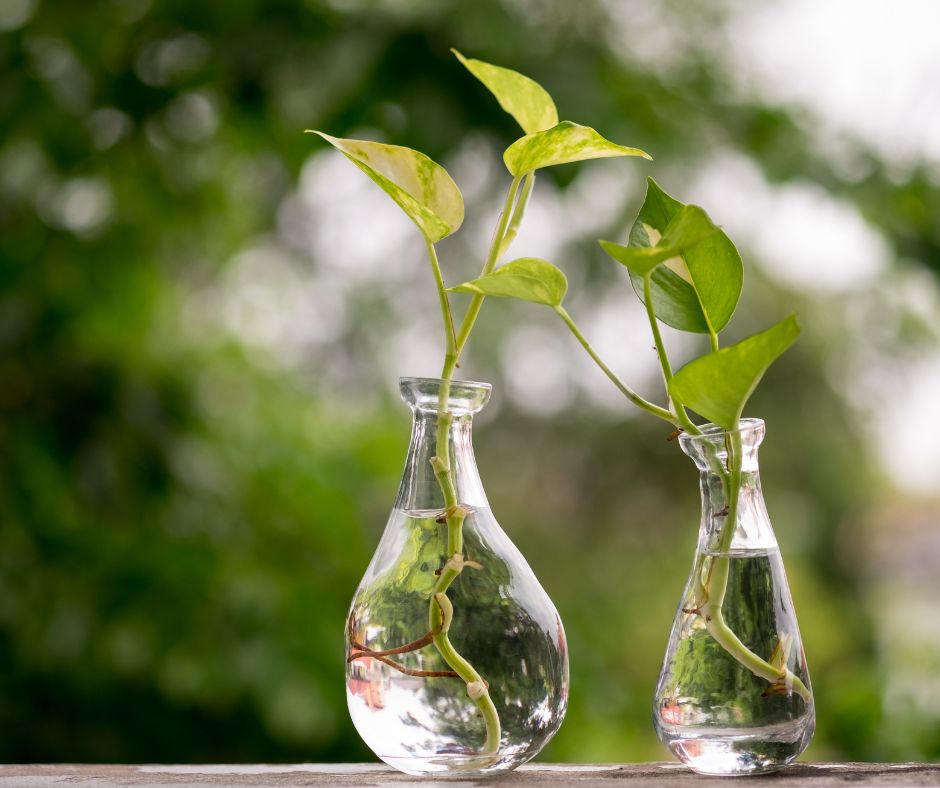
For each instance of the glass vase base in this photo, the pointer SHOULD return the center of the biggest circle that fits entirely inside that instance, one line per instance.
(737, 751)
(455, 766)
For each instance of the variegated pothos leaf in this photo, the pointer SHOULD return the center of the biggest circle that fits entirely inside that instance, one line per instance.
(563, 143)
(523, 98)
(421, 187)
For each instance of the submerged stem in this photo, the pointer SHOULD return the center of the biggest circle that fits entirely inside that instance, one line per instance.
(721, 632)
(440, 611)
(717, 584)
(428, 674)
(414, 645)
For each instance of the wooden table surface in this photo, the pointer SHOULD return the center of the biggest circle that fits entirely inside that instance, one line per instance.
(818, 775)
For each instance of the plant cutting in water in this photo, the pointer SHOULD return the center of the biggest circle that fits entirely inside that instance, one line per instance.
(688, 275)
(431, 199)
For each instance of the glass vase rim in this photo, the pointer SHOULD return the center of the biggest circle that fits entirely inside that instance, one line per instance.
(464, 397)
(471, 384)
(712, 432)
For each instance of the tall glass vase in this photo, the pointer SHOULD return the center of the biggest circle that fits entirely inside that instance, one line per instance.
(456, 658)
(734, 695)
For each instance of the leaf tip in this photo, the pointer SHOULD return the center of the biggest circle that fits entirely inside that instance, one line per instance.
(458, 55)
(466, 287)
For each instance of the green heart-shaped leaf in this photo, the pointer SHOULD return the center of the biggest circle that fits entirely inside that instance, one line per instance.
(701, 292)
(718, 385)
(523, 98)
(675, 301)
(561, 144)
(420, 186)
(528, 279)
(689, 226)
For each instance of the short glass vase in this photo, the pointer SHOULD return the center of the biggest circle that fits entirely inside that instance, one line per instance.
(734, 695)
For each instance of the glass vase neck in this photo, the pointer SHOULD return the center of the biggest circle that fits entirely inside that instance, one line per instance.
(717, 444)
(730, 491)
(441, 405)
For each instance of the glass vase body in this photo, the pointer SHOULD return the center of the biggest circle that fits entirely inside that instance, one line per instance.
(734, 694)
(503, 624)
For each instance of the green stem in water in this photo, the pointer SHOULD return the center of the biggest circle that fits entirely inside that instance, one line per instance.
(730, 642)
(629, 393)
(717, 584)
(440, 612)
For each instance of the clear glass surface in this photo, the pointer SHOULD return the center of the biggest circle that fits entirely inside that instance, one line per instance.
(734, 695)
(504, 625)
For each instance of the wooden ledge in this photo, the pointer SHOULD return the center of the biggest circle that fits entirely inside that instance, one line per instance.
(819, 775)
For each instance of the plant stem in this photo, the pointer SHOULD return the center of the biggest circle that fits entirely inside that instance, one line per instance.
(446, 313)
(731, 481)
(730, 642)
(518, 212)
(679, 408)
(497, 247)
(440, 610)
(629, 393)
(414, 645)
(717, 584)
(428, 674)
(654, 327)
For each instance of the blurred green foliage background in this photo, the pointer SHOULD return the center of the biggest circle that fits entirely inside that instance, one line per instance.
(203, 314)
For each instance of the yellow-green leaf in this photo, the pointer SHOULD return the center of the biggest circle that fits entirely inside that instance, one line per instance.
(528, 279)
(563, 143)
(421, 187)
(718, 385)
(523, 98)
